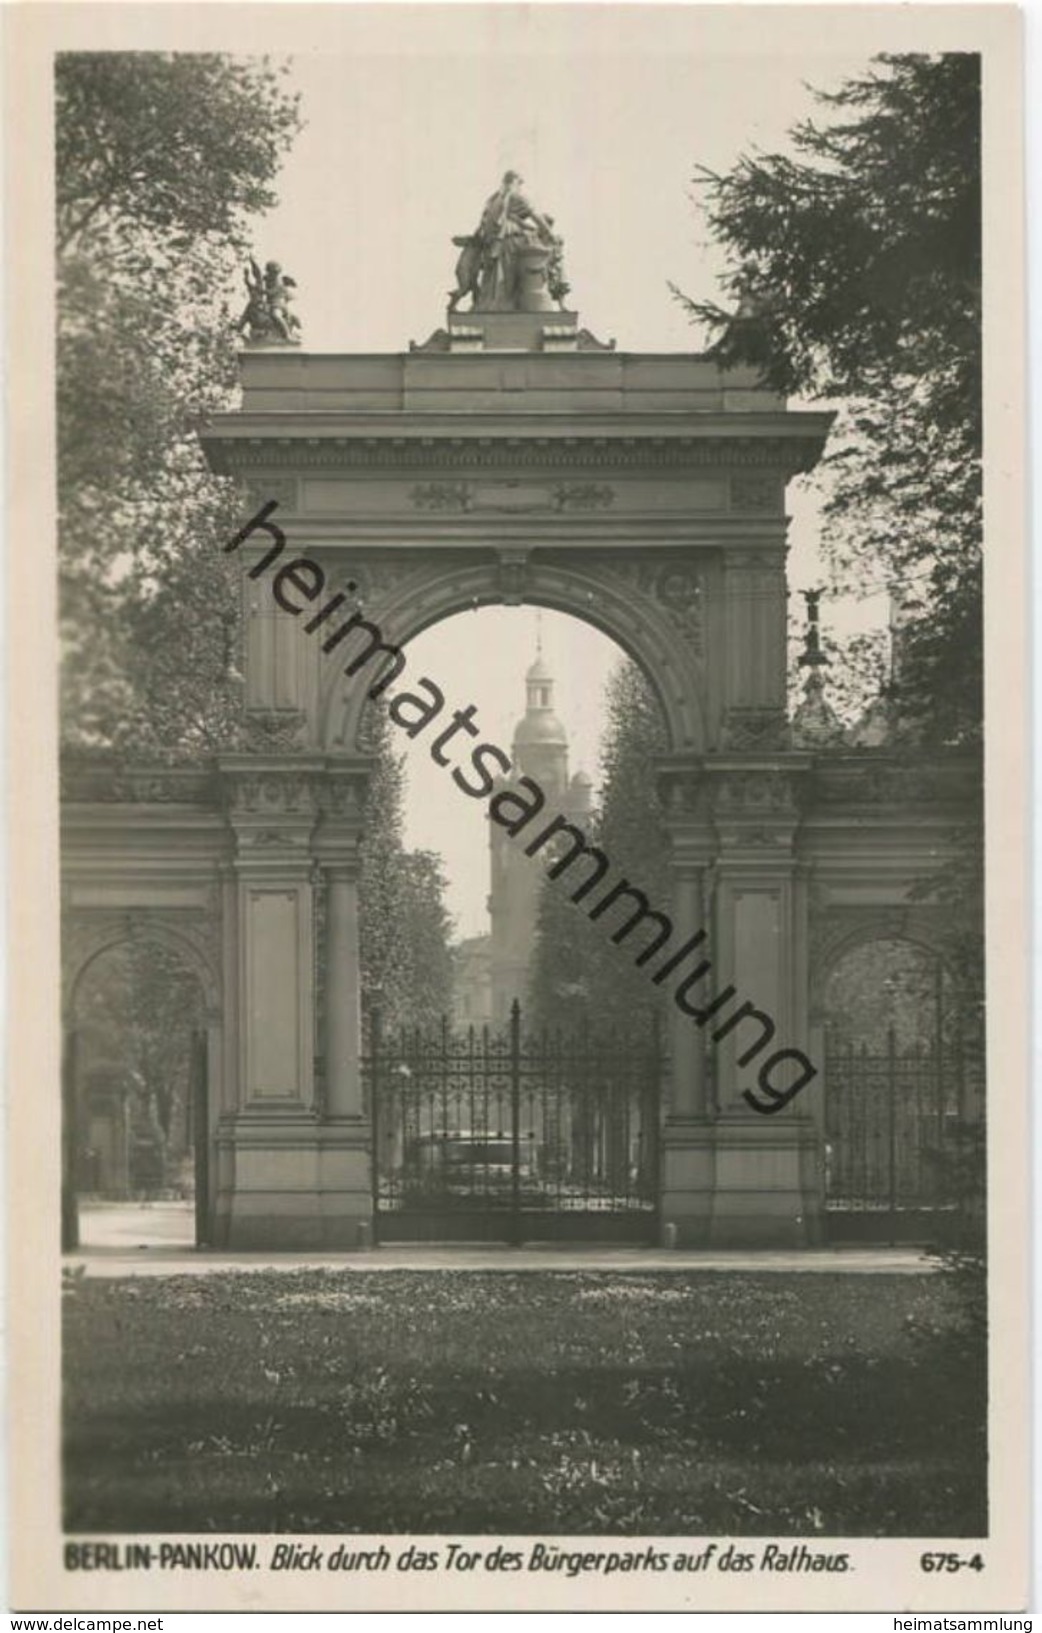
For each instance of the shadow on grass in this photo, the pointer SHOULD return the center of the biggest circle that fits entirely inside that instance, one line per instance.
(846, 1446)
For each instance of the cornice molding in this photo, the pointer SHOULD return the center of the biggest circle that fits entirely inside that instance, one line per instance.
(247, 451)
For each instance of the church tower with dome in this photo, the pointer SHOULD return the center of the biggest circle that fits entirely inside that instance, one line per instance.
(540, 751)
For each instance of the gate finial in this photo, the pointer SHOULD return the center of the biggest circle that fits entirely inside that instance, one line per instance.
(812, 656)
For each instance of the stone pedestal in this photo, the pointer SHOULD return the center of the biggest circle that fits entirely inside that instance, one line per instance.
(741, 1181)
(765, 1182)
(688, 1180)
(532, 329)
(298, 1185)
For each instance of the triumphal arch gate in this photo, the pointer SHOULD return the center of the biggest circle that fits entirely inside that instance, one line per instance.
(512, 458)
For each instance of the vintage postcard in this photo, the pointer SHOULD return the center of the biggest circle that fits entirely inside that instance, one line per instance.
(518, 1086)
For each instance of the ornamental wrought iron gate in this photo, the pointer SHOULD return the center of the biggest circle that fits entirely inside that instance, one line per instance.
(904, 1138)
(514, 1137)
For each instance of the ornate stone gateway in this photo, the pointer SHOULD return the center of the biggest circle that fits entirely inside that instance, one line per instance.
(511, 458)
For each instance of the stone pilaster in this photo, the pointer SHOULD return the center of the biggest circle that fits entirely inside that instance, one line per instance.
(687, 1132)
(341, 795)
(754, 647)
(345, 1134)
(293, 1173)
(343, 1024)
(766, 1187)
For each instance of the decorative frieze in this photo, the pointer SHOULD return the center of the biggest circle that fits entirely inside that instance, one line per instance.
(880, 780)
(754, 794)
(88, 781)
(273, 802)
(787, 455)
(285, 793)
(509, 497)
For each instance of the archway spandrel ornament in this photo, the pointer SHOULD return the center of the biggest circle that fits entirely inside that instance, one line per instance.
(676, 588)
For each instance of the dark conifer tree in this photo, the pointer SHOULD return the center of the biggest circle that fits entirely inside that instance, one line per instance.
(857, 282)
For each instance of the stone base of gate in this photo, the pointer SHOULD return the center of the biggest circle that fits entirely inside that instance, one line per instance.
(295, 1186)
(737, 1181)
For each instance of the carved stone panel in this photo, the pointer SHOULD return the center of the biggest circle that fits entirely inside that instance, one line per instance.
(451, 496)
(276, 730)
(583, 496)
(753, 729)
(757, 493)
(283, 489)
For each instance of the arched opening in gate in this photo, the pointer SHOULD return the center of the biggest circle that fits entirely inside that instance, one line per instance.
(899, 1096)
(653, 613)
(510, 1101)
(136, 1103)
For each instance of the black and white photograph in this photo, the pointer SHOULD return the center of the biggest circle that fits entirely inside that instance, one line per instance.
(525, 1011)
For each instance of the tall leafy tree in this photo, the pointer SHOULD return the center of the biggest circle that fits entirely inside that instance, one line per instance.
(137, 1009)
(857, 279)
(579, 976)
(163, 161)
(405, 926)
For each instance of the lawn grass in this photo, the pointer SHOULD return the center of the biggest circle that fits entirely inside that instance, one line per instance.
(546, 1403)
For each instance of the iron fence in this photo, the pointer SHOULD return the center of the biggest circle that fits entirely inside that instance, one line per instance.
(903, 1130)
(514, 1135)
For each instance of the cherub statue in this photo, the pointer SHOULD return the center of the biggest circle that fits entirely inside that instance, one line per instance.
(267, 313)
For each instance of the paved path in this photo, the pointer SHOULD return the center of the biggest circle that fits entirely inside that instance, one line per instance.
(155, 1239)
